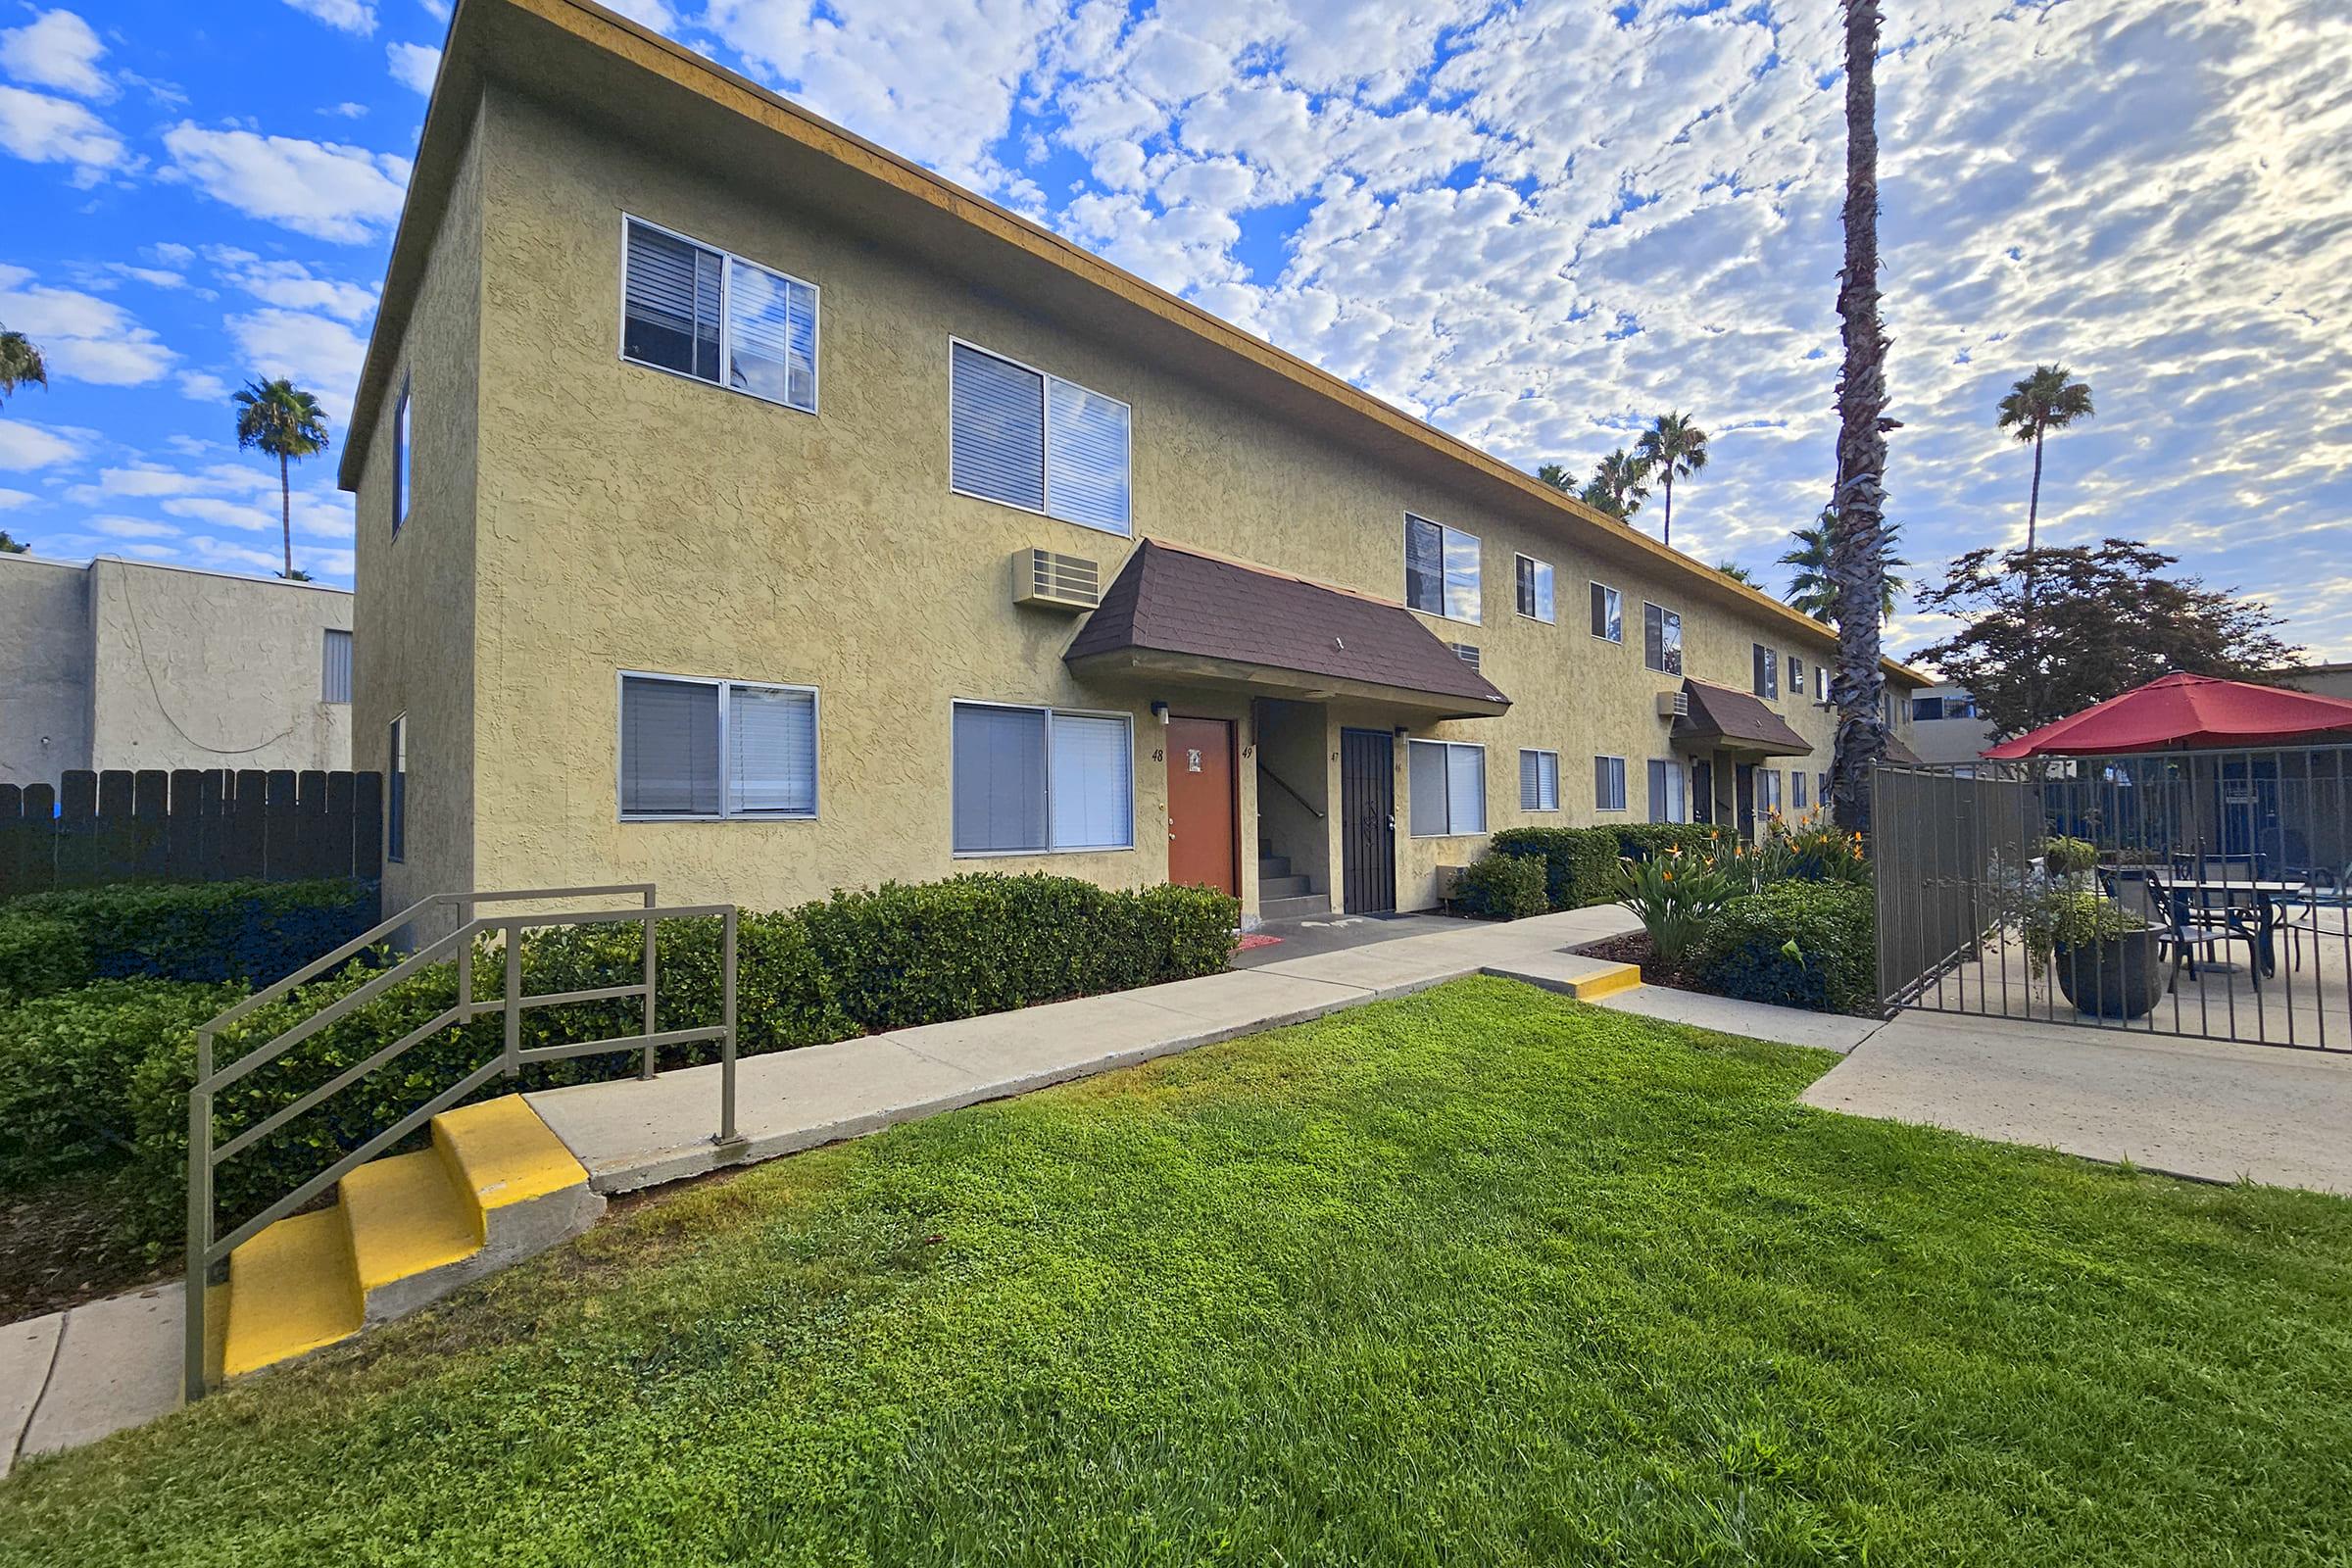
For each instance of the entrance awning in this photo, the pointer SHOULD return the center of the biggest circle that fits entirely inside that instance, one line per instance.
(1175, 613)
(1723, 720)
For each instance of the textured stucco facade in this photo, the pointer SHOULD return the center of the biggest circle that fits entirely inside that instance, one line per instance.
(126, 665)
(598, 516)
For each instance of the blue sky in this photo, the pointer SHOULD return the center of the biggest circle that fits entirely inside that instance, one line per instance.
(1535, 224)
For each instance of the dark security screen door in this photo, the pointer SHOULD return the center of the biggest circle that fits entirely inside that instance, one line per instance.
(1368, 820)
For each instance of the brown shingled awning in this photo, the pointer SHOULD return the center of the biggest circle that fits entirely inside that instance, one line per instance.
(1899, 752)
(1174, 613)
(1735, 721)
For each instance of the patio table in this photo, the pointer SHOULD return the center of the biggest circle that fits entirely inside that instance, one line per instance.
(2266, 893)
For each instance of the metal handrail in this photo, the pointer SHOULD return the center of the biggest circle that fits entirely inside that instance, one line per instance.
(207, 1250)
(1287, 790)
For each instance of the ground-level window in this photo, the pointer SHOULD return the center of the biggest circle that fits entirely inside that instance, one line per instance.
(1608, 613)
(1448, 784)
(1768, 786)
(1039, 781)
(1661, 640)
(693, 747)
(334, 671)
(1608, 783)
(1820, 781)
(1535, 588)
(1539, 781)
(1440, 569)
(1796, 788)
(396, 789)
(696, 311)
(1668, 799)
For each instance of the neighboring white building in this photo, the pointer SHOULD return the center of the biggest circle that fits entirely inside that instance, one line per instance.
(1945, 728)
(2321, 681)
(125, 665)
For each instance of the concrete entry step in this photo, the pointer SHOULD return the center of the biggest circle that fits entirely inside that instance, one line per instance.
(1283, 887)
(1293, 908)
(1271, 866)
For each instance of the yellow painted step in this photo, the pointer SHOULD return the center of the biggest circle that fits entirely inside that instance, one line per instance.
(500, 1153)
(290, 1290)
(1607, 983)
(406, 1216)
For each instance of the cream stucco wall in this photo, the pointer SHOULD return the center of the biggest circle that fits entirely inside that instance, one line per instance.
(45, 700)
(632, 519)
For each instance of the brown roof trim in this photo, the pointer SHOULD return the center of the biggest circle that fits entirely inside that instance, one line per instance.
(1737, 720)
(459, 75)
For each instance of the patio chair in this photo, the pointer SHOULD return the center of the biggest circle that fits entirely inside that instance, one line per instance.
(2194, 923)
(2322, 910)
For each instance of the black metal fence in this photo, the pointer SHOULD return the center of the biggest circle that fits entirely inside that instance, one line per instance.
(2189, 893)
(189, 826)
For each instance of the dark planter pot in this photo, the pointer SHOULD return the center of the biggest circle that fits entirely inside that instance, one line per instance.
(2123, 977)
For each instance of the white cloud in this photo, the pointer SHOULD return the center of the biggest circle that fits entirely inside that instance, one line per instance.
(413, 64)
(251, 516)
(351, 15)
(133, 528)
(654, 13)
(42, 130)
(10, 499)
(83, 337)
(296, 287)
(202, 386)
(346, 110)
(40, 446)
(325, 189)
(316, 352)
(56, 49)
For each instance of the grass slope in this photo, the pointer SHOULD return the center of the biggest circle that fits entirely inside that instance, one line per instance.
(1479, 1276)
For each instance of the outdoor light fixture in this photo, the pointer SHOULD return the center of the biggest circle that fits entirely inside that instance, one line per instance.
(1159, 711)
(1402, 730)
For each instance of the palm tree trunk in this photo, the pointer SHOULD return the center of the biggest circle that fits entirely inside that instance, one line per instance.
(285, 510)
(1858, 541)
(1669, 507)
(2033, 587)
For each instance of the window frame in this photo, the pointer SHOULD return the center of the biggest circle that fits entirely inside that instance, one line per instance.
(1051, 711)
(326, 640)
(1045, 437)
(1764, 671)
(1618, 594)
(396, 789)
(1793, 666)
(1662, 667)
(727, 712)
(402, 452)
(1771, 793)
(1796, 790)
(1405, 569)
(1624, 794)
(726, 327)
(1679, 773)
(1518, 557)
(1540, 809)
(1485, 785)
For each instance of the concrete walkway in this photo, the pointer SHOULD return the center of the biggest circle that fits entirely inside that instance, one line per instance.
(2200, 1109)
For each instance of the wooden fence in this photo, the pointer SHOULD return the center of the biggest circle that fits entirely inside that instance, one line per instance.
(189, 826)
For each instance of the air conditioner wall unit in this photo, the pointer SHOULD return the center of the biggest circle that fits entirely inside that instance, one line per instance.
(1674, 704)
(1054, 581)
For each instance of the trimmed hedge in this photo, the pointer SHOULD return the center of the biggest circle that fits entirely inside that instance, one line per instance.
(1744, 952)
(857, 962)
(255, 932)
(1580, 863)
(1502, 887)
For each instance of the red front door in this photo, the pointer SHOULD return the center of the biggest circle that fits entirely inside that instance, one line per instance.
(1200, 805)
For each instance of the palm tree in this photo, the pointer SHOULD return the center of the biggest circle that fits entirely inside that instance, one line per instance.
(21, 363)
(1552, 474)
(1620, 483)
(1736, 572)
(1674, 448)
(1810, 590)
(1858, 567)
(284, 421)
(2046, 401)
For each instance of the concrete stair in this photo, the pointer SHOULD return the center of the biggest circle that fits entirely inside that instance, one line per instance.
(495, 1187)
(1282, 895)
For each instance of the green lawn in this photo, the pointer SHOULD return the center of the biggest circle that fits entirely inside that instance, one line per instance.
(1482, 1276)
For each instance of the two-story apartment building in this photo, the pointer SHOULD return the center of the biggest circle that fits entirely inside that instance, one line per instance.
(744, 508)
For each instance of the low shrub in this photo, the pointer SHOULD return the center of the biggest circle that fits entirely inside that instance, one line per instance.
(1502, 887)
(67, 1061)
(1638, 840)
(2068, 856)
(1580, 863)
(1794, 944)
(255, 932)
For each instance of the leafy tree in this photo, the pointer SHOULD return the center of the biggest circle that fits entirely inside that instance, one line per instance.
(21, 363)
(10, 545)
(1620, 483)
(1736, 572)
(1857, 566)
(281, 419)
(1809, 587)
(2108, 620)
(1673, 448)
(1552, 474)
(2048, 400)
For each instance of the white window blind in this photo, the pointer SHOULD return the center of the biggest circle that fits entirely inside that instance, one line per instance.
(1425, 779)
(771, 752)
(1035, 441)
(1608, 783)
(1447, 780)
(700, 312)
(334, 680)
(1466, 789)
(1667, 802)
(671, 303)
(1796, 788)
(1535, 588)
(1539, 781)
(1029, 780)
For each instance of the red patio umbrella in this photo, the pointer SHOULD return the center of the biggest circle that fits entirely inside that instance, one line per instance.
(2187, 711)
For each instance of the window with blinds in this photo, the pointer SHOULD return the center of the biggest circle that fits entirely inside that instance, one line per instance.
(1448, 784)
(1608, 783)
(1796, 788)
(700, 312)
(1039, 781)
(334, 674)
(1608, 613)
(1440, 569)
(1539, 781)
(1668, 802)
(1661, 640)
(1535, 588)
(1023, 438)
(694, 748)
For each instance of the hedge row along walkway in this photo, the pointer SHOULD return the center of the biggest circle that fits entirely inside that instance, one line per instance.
(74, 1377)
